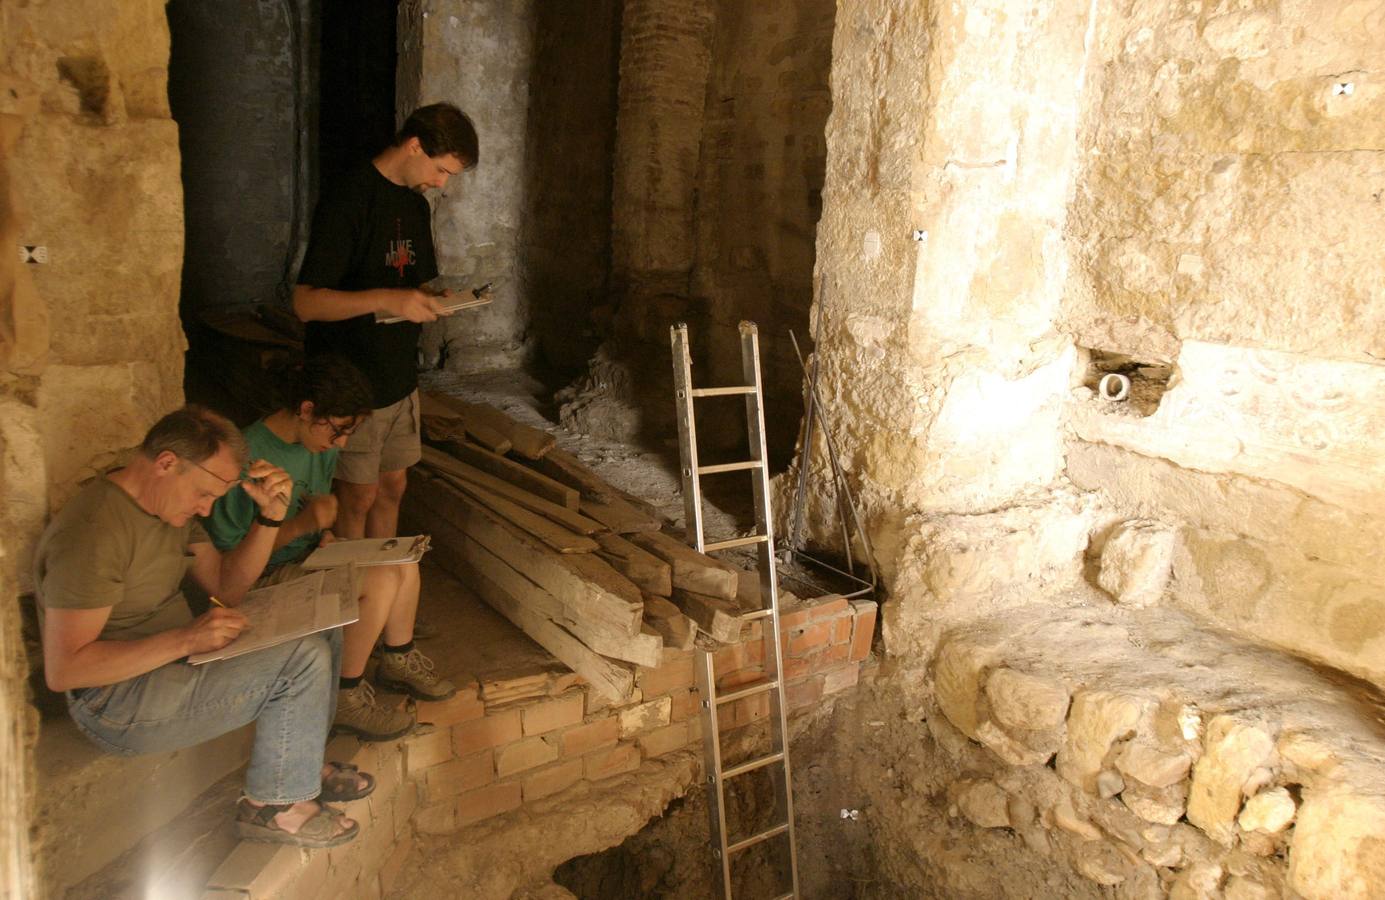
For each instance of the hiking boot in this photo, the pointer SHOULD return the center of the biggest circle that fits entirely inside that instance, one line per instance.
(359, 713)
(412, 673)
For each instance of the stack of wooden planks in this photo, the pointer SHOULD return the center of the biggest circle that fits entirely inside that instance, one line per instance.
(580, 566)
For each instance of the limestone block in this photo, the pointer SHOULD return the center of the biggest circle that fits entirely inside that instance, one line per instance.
(1268, 811)
(23, 474)
(1109, 784)
(957, 677)
(1234, 750)
(1103, 864)
(1022, 702)
(1137, 561)
(1008, 748)
(1244, 888)
(1066, 817)
(1151, 765)
(1200, 881)
(1308, 753)
(984, 804)
(1163, 806)
(1096, 721)
(1166, 855)
(1338, 847)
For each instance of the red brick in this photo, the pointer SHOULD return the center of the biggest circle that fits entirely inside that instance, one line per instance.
(665, 740)
(552, 779)
(795, 618)
(437, 818)
(392, 867)
(671, 676)
(745, 655)
(798, 666)
(594, 735)
(424, 750)
(541, 718)
(729, 680)
(405, 805)
(685, 705)
(459, 775)
(488, 801)
(810, 639)
(863, 628)
(492, 731)
(463, 707)
(841, 678)
(743, 712)
(841, 629)
(525, 754)
(828, 607)
(618, 760)
(834, 655)
(645, 716)
(804, 693)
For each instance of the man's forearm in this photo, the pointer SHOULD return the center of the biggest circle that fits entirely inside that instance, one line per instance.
(107, 662)
(243, 564)
(315, 304)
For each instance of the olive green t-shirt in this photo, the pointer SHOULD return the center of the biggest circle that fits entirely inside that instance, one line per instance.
(103, 550)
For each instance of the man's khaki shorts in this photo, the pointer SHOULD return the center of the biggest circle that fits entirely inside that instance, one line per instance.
(388, 440)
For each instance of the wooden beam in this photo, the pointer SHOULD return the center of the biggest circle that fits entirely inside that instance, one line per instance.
(527, 441)
(618, 515)
(514, 473)
(594, 591)
(563, 466)
(551, 533)
(450, 465)
(692, 571)
(613, 680)
(677, 630)
(445, 421)
(647, 571)
(718, 617)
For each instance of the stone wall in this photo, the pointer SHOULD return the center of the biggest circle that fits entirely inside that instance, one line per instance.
(1226, 224)
(478, 55)
(90, 345)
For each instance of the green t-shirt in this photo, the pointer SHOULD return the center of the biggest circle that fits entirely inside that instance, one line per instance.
(311, 472)
(103, 550)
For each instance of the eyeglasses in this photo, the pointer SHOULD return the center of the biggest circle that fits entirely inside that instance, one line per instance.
(229, 482)
(339, 431)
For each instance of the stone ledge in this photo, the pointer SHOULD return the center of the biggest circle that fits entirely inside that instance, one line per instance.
(1152, 751)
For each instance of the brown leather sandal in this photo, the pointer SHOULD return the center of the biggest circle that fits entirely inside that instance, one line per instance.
(344, 783)
(323, 829)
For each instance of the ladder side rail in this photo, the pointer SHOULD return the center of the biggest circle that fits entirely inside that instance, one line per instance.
(769, 589)
(687, 435)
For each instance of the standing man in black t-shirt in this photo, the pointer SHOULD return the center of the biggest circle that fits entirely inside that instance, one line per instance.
(370, 251)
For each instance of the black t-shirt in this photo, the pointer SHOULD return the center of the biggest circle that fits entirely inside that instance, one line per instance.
(369, 232)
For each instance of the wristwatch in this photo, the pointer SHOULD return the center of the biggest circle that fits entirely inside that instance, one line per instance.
(266, 521)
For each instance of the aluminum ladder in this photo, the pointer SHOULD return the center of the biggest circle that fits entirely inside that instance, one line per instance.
(777, 760)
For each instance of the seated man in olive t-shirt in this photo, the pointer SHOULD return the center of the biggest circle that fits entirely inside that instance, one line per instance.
(117, 628)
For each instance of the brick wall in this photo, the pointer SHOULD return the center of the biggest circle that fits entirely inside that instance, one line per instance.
(486, 754)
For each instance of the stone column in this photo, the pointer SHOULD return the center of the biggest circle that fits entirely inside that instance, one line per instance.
(476, 54)
(951, 156)
(665, 59)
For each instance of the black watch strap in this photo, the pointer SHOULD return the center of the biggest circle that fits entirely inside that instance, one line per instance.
(266, 521)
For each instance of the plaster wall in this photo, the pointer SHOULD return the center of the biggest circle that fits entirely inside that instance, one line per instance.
(1227, 222)
(477, 54)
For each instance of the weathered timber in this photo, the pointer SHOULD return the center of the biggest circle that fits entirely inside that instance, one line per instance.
(563, 466)
(618, 515)
(692, 571)
(527, 441)
(615, 681)
(649, 573)
(677, 630)
(594, 591)
(450, 465)
(718, 617)
(516, 474)
(445, 421)
(550, 532)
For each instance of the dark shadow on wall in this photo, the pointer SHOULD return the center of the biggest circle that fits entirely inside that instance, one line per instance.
(569, 162)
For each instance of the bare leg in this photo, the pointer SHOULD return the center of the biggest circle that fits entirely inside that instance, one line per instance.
(353, 508)
(380, 586)
(383, 518)
(399, 627)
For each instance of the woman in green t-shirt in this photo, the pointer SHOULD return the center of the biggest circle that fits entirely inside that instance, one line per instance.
(320, 404)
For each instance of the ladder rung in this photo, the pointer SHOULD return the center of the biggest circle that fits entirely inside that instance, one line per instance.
(749, 690)
(729, 467)
(756, 614)
(752, 765)
(734, 542)
(724, 391)
(757, 838)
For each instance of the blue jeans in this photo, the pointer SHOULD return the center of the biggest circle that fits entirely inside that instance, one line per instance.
(284, 690)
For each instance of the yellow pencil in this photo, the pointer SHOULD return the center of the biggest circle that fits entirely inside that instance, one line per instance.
(217, 602)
